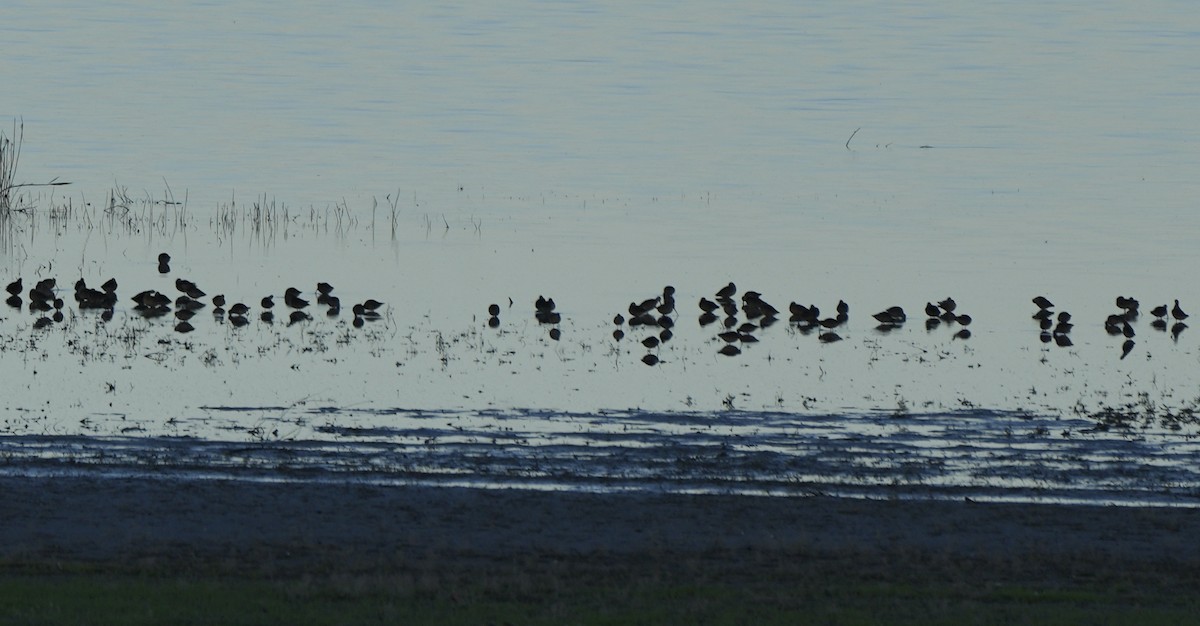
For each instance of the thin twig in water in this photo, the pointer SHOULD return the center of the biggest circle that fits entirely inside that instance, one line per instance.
(852, 136)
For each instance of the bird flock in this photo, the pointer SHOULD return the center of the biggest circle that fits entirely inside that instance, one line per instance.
(651, 321)
(735, 319)
(738, 319)
(45, 301)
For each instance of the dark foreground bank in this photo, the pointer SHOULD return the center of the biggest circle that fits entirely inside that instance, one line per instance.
(97, 519)
(453, 550)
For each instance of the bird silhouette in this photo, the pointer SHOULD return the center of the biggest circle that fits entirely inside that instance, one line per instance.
(1177, 312)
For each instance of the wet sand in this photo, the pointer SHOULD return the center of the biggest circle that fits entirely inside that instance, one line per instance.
(307, 526)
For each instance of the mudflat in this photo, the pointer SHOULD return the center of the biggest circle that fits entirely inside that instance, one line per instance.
(306, 526)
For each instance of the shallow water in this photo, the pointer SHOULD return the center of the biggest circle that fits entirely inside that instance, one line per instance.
(441, 159)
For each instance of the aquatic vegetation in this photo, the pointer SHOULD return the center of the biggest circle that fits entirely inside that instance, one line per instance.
(10, 155)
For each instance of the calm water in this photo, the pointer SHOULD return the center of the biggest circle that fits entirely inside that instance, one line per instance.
(441, 158)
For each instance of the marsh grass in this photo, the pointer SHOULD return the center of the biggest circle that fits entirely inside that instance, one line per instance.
(264, 219)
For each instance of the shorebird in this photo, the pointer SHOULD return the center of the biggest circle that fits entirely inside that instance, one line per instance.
(494, 310)
(892, 315)
(1159, 311)
(1129, 305)
(1177, 312)
(727, 291)
(43, 290)
(1043, 303)
(15, 288)
(268, 302)
(291, 297)
(883, 317)
(948, 305)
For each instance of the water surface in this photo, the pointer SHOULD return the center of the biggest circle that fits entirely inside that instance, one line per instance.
(442, 158)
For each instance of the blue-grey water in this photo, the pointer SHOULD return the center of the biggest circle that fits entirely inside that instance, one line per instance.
(442, 158)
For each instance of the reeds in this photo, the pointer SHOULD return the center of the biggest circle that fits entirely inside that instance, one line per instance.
(10, 153)
(264, 219)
